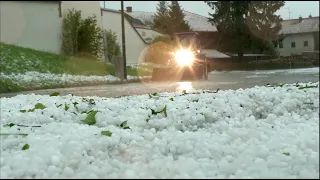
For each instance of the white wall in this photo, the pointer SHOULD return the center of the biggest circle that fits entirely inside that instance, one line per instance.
(148, 33)
(299, 39)
(31, 24)
(134, 44)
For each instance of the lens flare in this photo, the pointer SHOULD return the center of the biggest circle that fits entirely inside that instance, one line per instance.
(184, 57)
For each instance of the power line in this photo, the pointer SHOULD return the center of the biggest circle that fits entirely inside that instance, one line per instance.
(289, 12)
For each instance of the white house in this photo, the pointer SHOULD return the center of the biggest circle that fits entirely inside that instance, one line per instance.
(32, 24)
(300, 35)
(147, 33)
(135, 43)
(37, 24)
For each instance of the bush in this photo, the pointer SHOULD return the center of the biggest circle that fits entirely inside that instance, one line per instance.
(70, 27)
(81, 35)
(271, 50)
(112, 48)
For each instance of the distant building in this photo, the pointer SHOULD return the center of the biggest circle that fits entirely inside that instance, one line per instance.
(300, 35)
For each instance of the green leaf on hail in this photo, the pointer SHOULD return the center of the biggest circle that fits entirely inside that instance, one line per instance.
(8, 125)
(66, 107)
(124, 125)
(39, 106)
(55, 94)
(25, 147)
(286, 153)
(90, 119)
(106, 133)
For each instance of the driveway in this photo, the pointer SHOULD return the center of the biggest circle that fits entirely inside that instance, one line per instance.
(221, 80)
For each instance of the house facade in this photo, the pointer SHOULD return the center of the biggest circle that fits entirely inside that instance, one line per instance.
(147, 33)
(135, 43)
(37, 24)
(31, 24)
(300, 35)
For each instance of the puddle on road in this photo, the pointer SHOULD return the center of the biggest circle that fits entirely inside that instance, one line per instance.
(256, 76)
(187, 86)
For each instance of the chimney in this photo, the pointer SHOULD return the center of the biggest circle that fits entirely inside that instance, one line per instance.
(129, 9)
(300, 19)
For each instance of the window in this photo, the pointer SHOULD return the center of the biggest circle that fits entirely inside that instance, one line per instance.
(305, 43)
(293, 44)
(143, 33)
(280, 45)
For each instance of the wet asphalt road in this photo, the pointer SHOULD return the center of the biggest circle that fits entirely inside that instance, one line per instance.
(221, 80)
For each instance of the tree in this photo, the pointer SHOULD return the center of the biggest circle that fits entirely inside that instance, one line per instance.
(229, 18)
(112, 46)
(248, 23)
(170, 18)
(178, 24)
(70, 26)
(81, 35)
(262, 20)
(161, 19)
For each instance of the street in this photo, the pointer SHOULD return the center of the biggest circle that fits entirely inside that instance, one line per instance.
(221, 80)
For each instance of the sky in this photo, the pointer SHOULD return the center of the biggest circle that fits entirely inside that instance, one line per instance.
(294, 8)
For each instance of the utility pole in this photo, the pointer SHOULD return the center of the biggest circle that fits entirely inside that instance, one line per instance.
(123, 43)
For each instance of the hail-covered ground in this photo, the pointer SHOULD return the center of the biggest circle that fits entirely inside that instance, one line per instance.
(262, 132)
(34, 79)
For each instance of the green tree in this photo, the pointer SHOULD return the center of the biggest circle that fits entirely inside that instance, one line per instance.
(264, 25)
(169, 19)
(161, 19)
(229, 18)
(177, 22)
(81, 35)
(90, 36)
(112, 46)
(70, 26)
(244, 24)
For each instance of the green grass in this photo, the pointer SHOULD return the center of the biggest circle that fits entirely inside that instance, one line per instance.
(18, 60)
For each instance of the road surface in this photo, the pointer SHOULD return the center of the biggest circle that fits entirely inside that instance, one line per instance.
(221, 80)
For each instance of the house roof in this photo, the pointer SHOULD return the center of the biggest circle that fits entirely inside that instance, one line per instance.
(117, 11)
(146, 27)
(141, 26)
(293, 26)
(211, 53)
(138, 26)
(197, 22)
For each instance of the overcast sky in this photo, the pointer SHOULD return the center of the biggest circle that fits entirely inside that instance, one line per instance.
(297, 8)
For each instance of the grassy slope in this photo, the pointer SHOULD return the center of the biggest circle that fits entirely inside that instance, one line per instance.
(16, 60)
(19, 60)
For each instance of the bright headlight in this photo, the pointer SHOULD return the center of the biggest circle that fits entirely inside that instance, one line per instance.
(184, 57)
